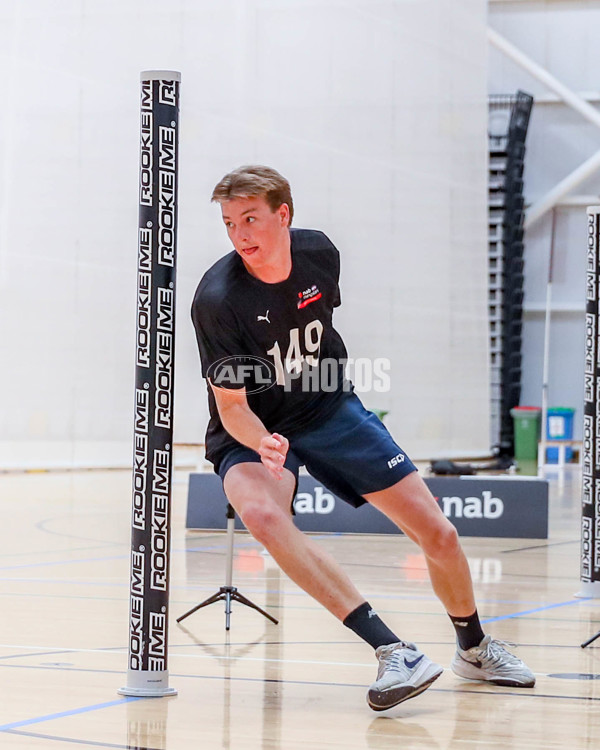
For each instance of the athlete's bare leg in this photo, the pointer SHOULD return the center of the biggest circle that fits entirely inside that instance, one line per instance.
(412, 507)
(264, 505)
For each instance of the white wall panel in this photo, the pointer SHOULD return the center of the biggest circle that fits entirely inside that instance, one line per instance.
(376, 113)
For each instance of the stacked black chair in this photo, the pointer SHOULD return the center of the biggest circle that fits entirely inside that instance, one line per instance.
(509, 118)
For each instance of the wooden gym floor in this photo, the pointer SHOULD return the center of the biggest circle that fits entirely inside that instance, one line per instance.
(63, 635)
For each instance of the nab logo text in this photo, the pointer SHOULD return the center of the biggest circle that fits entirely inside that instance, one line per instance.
(472, 507)
(322, 502)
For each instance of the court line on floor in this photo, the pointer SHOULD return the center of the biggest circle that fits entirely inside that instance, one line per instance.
(523, 692)
(537, 609)
(41, 526)
(487, 690)
(220, 549)
(124, 556)
(72, 740)
(103, 545)
(287, 605)
(534, 576)
(538, 546)
(122, 651)
(525, 615)
(64, 714)
(251, 589)
(61, 649)
(54, 563)
(36, 653)
(214, 658)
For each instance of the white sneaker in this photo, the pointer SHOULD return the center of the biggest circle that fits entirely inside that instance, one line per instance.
(403, 673)
(491, 662)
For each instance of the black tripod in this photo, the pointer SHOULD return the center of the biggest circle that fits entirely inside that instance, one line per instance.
(590, 640)
(228, 593)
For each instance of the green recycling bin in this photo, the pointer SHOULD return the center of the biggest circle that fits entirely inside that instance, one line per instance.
(527, 423)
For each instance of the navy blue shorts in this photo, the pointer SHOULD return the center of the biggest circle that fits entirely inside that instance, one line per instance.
(351, 453)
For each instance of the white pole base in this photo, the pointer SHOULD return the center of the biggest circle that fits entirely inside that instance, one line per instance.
(147, 692)
(145, 684)
(589, 589)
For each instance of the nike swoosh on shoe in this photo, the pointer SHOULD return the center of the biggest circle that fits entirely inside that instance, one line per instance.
(475, 663)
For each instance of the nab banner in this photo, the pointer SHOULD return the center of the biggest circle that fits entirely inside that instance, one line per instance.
(486, 507)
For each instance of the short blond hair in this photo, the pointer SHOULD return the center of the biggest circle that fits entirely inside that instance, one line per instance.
(254, 180)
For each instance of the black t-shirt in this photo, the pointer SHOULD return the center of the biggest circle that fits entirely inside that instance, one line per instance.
(280, 333)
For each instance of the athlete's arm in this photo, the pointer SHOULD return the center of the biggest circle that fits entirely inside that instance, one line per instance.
(242, 424)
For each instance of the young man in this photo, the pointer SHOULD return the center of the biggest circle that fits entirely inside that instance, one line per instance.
(271, 301)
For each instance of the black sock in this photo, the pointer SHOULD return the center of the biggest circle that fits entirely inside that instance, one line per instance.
(468, 630)
(367, 624)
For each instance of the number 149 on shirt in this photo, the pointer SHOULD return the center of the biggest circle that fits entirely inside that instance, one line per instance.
(295, 355)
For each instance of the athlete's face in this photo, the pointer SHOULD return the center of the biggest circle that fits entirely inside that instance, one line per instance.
(259, 235)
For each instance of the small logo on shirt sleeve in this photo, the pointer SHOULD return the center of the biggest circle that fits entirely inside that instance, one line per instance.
(399, 459)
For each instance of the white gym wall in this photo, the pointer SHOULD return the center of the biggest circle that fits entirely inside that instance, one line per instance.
(375, 111)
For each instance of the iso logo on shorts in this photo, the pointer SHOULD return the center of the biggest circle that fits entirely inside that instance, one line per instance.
(255, 374)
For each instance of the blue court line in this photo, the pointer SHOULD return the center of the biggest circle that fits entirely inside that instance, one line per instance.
(537, 609)
(63, 714)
